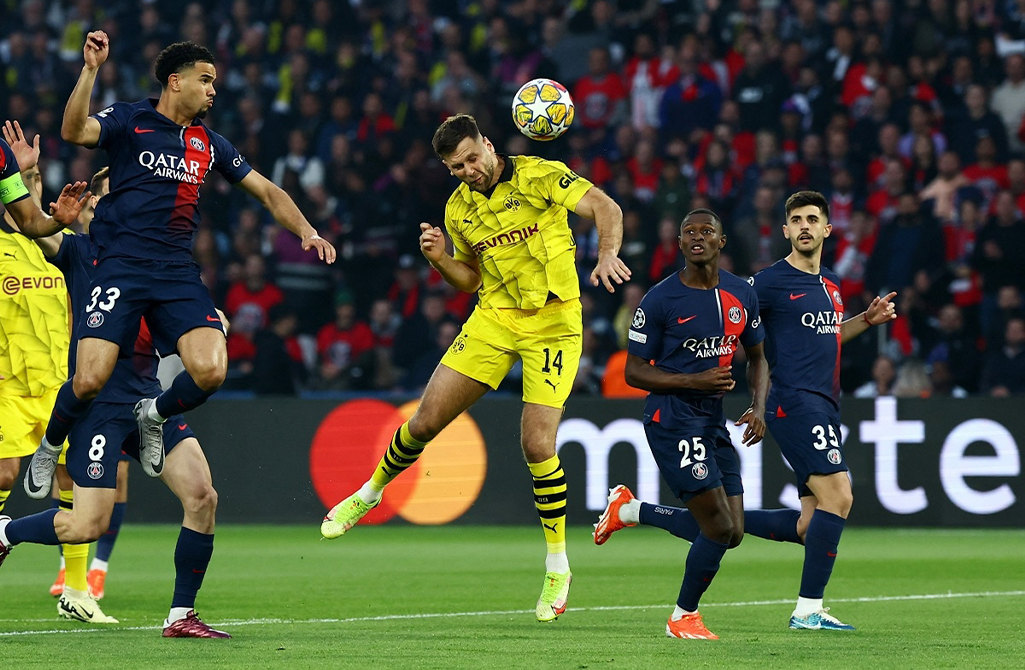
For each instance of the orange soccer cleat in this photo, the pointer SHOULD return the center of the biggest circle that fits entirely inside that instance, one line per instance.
(609, 522)
(96, 579)
(689, 627)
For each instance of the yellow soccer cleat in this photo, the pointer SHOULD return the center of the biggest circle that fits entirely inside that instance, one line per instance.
(554, 596)
(344, 516)
(80, 606)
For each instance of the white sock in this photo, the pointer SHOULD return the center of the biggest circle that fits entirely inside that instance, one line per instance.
(62, 561)
(7, 543)
(97, 564)
(153, 415)
(368, 495)
(45, 444)
(630, 513)
(557, 563)
(679, 613)
(73, 594)
(806, 606)
(176, 614)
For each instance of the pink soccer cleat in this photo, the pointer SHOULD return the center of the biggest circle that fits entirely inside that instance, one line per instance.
(192, 626)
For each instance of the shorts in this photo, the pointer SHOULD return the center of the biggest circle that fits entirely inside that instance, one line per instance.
(810, 443)
(695, 458)
(100, 437)
(548, 341)
(172, 297)
(23, 421)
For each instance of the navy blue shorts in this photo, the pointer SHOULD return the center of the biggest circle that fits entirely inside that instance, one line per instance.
(695, 459)
(810, 443)
(171, 296)
(100, 438)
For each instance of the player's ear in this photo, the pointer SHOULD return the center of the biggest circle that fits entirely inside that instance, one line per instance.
(828, 229)
(786, 231)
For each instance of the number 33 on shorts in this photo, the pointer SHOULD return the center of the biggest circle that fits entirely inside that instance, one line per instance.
(110, 297)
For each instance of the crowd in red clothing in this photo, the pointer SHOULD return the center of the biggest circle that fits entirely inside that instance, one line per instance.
(906, 114)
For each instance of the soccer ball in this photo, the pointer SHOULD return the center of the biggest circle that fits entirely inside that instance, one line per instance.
(542, 109)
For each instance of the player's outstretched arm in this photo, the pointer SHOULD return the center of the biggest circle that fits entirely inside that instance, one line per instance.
(879, 312)
(758, 381)
(464, 276)
(641, 374)
(608, 219)
(27, 156)
(286, 213)
(32, 222)
(78, 127)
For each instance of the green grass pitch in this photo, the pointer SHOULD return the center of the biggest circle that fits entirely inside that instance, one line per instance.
(463, 597)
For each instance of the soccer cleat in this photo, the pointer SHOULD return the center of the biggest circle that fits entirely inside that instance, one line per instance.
(554, 596)
(80, 606)
(151, 439)
(609, 521)
(57, 587)
(191, 626)
(344, 516)
(96, 580)
(5, 551)
(820, 620)
(689, 627)
(39, 475)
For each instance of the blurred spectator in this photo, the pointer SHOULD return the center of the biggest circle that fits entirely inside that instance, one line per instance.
(277, 367)
(757, 241)
(1004, 374)
(884, 373)
(420, 327)
(600, 96)
(690, 103)
(999, 248)
(942, 381)
(944, 187)
(760, 90)
(965, 129)
(951, 343)
(912, 380)
(910, 243)
(342, 346)
(1008, 99)
(419, 373)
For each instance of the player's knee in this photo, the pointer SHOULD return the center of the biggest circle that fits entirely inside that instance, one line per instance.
(209, 375)
(87, 384)
(424, 427)
(736, 539)
(202, 501)
(8, 473)
(84, 530)
(721, 531)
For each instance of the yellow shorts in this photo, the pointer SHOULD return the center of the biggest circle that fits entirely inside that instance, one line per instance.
(22, 423)
(548, 341)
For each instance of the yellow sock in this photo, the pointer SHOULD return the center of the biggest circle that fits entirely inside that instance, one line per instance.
(550, 500)
(76, 556)
(402, 453)
(4, 495)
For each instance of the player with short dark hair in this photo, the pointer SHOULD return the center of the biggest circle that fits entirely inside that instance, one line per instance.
(804, 329)
(160, 153)
(513, 246)
(95, 461)
(682, 341)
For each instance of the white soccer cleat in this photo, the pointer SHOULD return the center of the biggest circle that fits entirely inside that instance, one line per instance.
(39, 474)
(821, 620)
(151, 439)
(80, 606)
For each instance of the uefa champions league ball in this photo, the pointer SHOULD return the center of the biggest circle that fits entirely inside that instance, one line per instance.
(542, 109)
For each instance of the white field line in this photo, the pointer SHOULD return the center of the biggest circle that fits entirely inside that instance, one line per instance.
(446, 615)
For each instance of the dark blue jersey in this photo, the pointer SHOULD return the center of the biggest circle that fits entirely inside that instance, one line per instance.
(802, 313)
(156, 168)
(691, 330)
(133, 378)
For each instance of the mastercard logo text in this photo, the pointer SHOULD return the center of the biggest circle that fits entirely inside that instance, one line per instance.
(439, 488)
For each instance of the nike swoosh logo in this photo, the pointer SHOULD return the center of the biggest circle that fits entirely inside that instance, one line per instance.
(140, 131)
(213, 319)
(831, 554)
(681, 321)
(799, 295)
(182, 426)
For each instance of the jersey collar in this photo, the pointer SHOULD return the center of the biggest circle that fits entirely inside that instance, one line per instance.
(507, 173)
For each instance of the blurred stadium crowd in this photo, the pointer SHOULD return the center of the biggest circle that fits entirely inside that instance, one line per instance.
(906, 114)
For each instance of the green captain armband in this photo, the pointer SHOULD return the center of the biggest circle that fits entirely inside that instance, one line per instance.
(13, 189)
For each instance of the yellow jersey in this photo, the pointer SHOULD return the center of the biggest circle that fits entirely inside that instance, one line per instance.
(34, 334)
(519, 233)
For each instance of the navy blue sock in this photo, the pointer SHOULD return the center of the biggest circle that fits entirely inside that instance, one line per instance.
(37, 529)
(105, 544)
(182, 396)
(773, 524)
(820, 545)
(702, 564)
(66, 410)
(191, 557)
(55, 503)
(678, 521)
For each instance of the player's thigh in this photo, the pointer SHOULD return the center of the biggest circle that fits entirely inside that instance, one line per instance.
(119, 296)
(121, 482)
(95, 358)
(539, 425)
(95, 444)
(187, 472)
(811, 445)
(550, 344)
(203, 348)
(833, 492)
(484, 350)
(449, 393)
(183, 305)
(92, 510)
(685, 456)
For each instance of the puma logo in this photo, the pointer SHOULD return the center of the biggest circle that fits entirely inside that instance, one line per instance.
(549, 382)
(552, 528)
